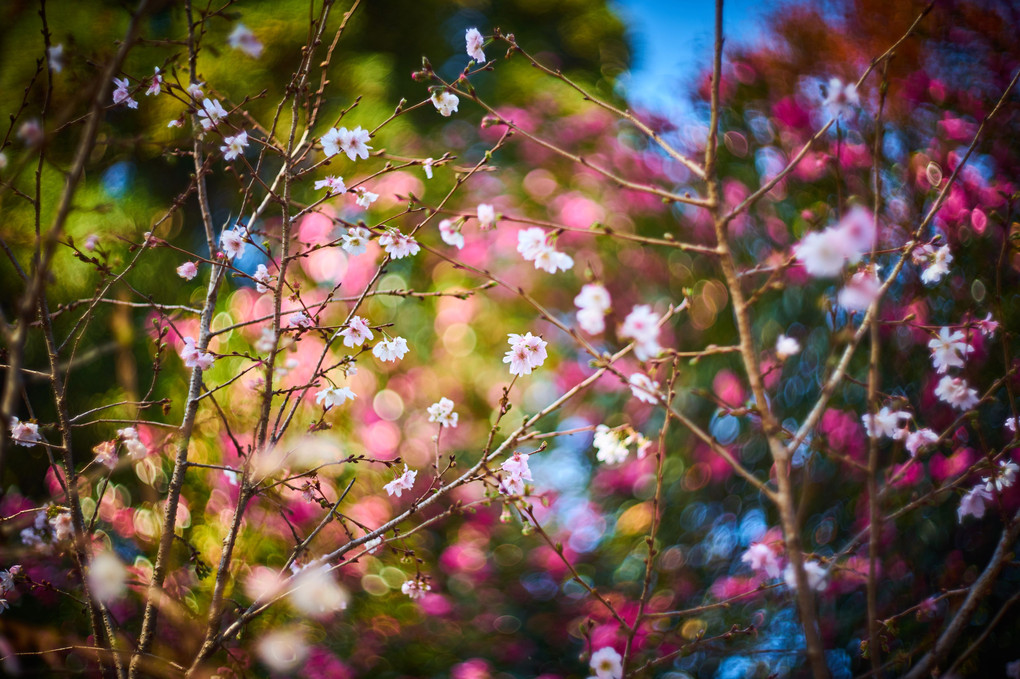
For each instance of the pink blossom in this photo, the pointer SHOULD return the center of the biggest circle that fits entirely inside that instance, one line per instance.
(451, 234)
(25, 433)
(761, 557)
(920, 438)
(243, 39)
(956, 392)
(974, 503)
(527, 352)
(398, 245)
(333, 185)
(403, 482)
(642, 325)
(194, 357)
(187, 271)
(157, 82)
(121, 95)
(948, 350)
(356, 332)
(475, 41)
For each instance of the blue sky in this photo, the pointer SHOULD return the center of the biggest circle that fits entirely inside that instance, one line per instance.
(672, 41)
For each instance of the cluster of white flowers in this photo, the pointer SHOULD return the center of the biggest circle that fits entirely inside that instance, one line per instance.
(936, 261)
(593, 303)
(25, 433)
(817, 575)
(234, 146)
(334, 396)
(263, 279)
(949, 349)
(538, 247)
(132, 443)
(642, 326)
(644, 388)
(415, 589)
(975, 501)
(445, 102)
(612, 446)
(397, 245)
(442, 412)
(390, 349)
(334, 185)
(450, 232)
(517, 472)
(403, 482)
(7, 585)
(356, 332)
(194, 357)
(354, 143)
(886, 422)
(786, 347)
(355, 241)
(107, 577)
(527, 352)
(762, 557)
(824, 253)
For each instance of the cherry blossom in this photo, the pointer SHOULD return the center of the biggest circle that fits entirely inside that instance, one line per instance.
(334, 396)
(592, 302)
(861, 291)
(390, 349)
(786, 347)
(527, 352)
(397, 245)
(988, 325)
(211, 113)
(354, 142)
(355, 241)
(445, 102)
(243, 39)
(938, 261)
(487, 216)
(442, 412)
(62, 526)
(534, 245)
(121, 95)
(132, 443)
(24, 433)
(156, 84)
(415, 589)
(643, 388)
(475, 41)
(300, 319)
(55, 57)
(195, 91)
(282, 650)
(107, 577)
(761, 557)
(817, 576)
(232, 242)
(1004, 477)
(317, 594)
(517, 473)
(356, 332)
(949, 349)
(106, 454)
(956, 392)
(262, 278)
(607, 663)
(822, 253)
(642, 326)
(365, 198)
(839, 98)
(427, 166)
(194, 357)
(918, 439)
(1010, 424)
(609, 447)
(187, 271)
(974, 502)
(234, 146)
(451, 234)
(333, 185)
(403, 482)
(886, 422)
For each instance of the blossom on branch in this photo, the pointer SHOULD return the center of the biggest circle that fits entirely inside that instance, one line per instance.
(403, 482)
(475, 41)
(442, 412)
(445, 102)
